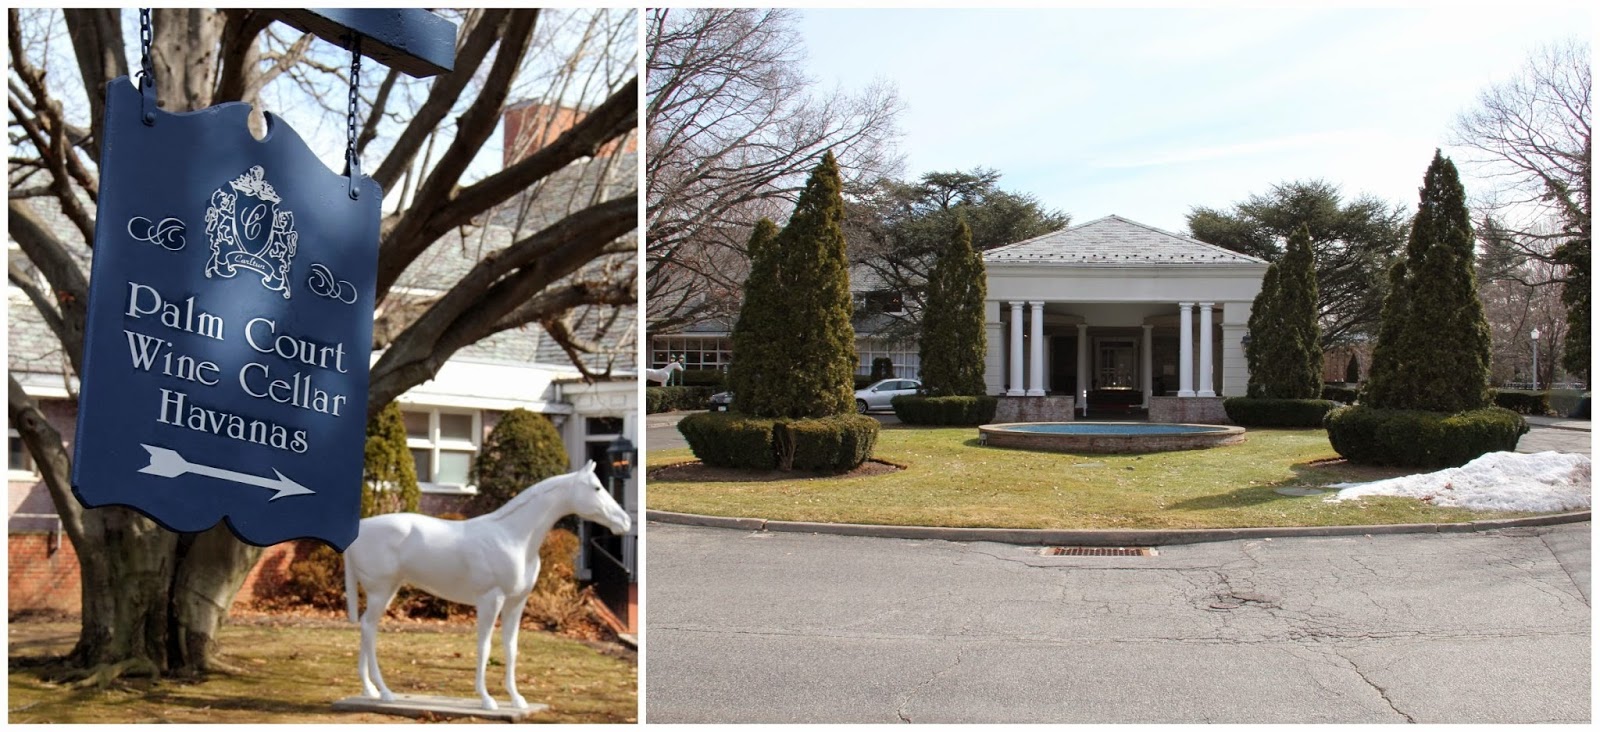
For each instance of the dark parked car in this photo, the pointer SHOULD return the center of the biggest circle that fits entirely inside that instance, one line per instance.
(721, 401)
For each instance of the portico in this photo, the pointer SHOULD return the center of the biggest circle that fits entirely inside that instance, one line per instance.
(1122, 311)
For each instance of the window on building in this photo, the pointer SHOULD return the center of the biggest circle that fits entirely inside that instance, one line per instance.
(19, 463)
(907, 362)
(444, 443)
(697, 352)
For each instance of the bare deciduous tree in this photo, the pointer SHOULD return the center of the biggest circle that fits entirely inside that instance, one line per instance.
(1530, 139)
(154, 600)
(733, 129)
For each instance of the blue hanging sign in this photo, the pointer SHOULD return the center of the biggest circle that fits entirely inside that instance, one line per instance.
(229, 328)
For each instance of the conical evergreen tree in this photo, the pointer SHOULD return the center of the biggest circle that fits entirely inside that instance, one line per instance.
(1264, 328)
(1352, 370)
(1300, 373)
(389, 475)
(952, 346)
(1433, 347)
(760, 318)
(813, 353)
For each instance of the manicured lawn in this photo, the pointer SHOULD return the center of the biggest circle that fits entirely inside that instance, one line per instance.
(953, 481)
(294, 673)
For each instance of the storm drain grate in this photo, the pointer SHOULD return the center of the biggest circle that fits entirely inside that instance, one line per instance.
(1097, 551)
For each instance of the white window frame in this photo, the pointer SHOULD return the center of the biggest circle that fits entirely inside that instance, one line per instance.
(434, 444)
(32, 472)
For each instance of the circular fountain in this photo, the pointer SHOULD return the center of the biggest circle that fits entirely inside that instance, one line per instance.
(1108, 437)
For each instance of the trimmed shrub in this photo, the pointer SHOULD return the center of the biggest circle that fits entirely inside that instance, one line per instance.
(730, 440)
(1247, 412)
(1522, 402)
(1418, 439)
(659, 399)
(860, 382)
(827, 444)
(1341, 394)
(882, 368)
(952, 410)
(703, 377)
(952, 345)
(522, 449)
(389, 474)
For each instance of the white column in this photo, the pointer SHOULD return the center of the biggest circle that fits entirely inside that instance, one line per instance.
(1206, 385)
(994, 354)
(1185, 349)
(1015, 386)
(1146, 380)
(1084, 379)
(1036, 351)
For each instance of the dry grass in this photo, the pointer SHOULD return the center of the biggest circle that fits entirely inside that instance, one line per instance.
(291, 671)
(953, 481)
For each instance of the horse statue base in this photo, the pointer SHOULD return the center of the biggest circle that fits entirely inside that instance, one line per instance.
(418, 706)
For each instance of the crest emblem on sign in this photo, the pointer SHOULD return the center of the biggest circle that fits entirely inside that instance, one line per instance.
(247, 229)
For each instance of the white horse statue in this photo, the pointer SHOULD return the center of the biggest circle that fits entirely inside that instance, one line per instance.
(490, 561)
(663, 374)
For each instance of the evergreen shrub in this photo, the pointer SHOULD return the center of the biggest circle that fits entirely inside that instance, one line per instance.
(704, 377)
(882, 368)
(730, 440)
(1341, 394)
(1522, 402)
(522, 449)
(1248, 412)
(950, 410)
(389, 474)
(859, 382)
(659, 399)
(827, 444)
(1418, 439)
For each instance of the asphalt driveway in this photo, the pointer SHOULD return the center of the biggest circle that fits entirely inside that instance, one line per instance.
(773, 627)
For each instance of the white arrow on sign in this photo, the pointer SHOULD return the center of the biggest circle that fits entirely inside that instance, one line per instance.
(169, 464)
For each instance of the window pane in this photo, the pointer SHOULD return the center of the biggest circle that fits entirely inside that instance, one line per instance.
(455, 426)
(417, 425)
(454, 467)
(18, 455)
(423, 463)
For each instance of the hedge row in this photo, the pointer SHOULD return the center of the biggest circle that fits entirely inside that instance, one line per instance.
(1416, 439)
(659, 399)
(950, 410)
(1248, 412)
(1341, 394)
(1522, 402)
(733, 440)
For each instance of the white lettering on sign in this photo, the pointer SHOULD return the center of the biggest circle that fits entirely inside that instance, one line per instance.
(177, 411)
(144, 350)
(145, 300)
(298, 391)
(290, 348)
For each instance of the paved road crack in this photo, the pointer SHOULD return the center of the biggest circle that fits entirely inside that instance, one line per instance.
(1382, 692)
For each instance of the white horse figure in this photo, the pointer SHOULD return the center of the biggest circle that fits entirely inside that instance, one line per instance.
(490, 561)
(663, 374)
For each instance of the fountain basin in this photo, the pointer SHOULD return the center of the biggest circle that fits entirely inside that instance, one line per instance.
(1108, 437)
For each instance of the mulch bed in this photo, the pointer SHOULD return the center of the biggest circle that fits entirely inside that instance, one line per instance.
(694, 471)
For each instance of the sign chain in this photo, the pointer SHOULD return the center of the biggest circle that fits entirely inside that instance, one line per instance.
(147, 78)
(352, 161)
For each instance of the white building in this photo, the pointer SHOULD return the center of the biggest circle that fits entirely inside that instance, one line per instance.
(1111, 306)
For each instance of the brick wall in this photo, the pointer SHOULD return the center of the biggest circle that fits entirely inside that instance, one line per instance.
(43, 574)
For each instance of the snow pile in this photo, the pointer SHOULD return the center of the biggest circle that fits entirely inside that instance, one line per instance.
(1498, 481)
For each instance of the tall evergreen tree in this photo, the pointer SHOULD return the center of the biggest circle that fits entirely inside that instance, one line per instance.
(1433, 348)
(522, 449)
(952, 346)
(1264, 328)
(1575, 295)
(1352, 370)
(813, 344)
(1300, 376)
(756, 332)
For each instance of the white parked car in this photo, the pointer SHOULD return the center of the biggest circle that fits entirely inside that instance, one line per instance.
(878, 395)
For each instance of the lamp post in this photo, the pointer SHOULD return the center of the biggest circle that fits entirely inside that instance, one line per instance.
(1535, 335)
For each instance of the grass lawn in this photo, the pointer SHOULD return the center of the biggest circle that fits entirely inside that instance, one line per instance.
(294, 672)
(953, 481)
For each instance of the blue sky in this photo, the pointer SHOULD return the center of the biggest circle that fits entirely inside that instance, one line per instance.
(1147, 113)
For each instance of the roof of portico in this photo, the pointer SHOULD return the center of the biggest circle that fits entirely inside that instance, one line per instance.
(1114, 241)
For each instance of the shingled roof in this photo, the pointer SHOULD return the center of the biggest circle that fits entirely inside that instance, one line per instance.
(1114, 241)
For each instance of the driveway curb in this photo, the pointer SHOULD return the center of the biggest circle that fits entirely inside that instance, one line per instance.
(1101, 537)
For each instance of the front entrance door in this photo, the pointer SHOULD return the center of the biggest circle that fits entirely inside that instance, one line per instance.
(1117, 365)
